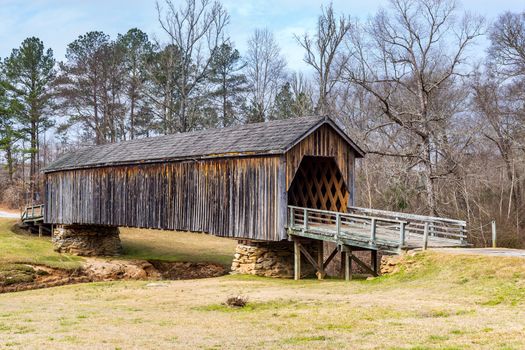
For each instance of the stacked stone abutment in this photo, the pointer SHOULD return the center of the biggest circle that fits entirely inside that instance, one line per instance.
(270, 259)
(87, 240)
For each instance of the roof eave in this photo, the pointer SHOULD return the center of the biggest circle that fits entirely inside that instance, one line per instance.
(165, 160)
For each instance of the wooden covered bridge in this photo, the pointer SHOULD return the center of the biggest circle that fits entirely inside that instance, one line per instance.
(263, 184)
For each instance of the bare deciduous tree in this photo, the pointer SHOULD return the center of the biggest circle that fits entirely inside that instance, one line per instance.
(196, 29)
(265, 71)
(405, 59)
(507, 48)
(326, 55)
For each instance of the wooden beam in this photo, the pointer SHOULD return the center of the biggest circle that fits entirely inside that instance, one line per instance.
(320, 260)
(363, 265)
(308, 256)
(297, 260)
(348, 264)
(373, 260)
(330, 258)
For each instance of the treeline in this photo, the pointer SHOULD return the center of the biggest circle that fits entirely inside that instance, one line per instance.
(441, 119)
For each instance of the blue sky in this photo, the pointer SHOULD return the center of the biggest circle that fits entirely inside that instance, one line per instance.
(58, 22)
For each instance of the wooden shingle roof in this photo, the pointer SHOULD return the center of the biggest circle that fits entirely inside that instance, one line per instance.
(273, 137)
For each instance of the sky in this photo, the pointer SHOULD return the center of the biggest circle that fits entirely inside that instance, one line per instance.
(59, 22)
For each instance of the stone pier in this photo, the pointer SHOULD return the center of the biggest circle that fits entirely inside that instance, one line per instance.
(87, 240)
(270, 259)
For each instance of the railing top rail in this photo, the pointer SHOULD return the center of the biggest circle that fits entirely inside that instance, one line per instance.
(349, 215)
(410, 216)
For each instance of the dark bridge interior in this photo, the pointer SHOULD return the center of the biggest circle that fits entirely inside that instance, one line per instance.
(319, 184)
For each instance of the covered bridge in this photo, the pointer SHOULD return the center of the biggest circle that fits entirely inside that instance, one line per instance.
(252, 182)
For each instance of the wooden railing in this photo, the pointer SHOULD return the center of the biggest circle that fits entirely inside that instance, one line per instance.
(427, 226)
(373, 231)
(33, 212)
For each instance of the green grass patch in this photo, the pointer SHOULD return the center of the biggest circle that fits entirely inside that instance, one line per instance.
(28, 249)
(306, 339)
(176, 246)
(251, 306)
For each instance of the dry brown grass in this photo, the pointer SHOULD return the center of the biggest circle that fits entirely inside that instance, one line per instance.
(435, 301)
(444, 302)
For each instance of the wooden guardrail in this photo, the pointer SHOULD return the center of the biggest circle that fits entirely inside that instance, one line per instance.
(388, 232)
(427, 226)
(32, 213)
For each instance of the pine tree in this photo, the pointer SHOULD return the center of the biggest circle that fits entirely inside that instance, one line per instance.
(284, 102)
(228, 83)
(136, 49)
(30, 71)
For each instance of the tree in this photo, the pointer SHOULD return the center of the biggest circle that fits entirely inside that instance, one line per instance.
(406, 59)
(228, 82)
(90, 86)
(163, 76)
(499, 99)
(284, 103)
(30, 71)
(265, 72)
(196, 29)
(325, 54)
(9, 107)
(507, 44)
(136, 49)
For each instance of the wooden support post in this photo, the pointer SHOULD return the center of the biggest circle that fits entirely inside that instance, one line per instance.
(297, 260)
(40, 229)
(373, 260)
(320, 261)
(494, 235)
(425, 237)
(348, 264)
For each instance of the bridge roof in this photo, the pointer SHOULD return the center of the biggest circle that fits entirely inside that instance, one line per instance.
(273, 137)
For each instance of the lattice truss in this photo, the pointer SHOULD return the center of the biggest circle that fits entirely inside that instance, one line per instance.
(318, 184)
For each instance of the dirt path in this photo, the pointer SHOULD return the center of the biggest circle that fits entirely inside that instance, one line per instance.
(485, 251)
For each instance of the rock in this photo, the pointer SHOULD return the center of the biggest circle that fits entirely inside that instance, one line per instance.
(87, 240)
(269, 259)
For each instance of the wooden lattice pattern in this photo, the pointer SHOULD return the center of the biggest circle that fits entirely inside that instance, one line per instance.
(319, 184)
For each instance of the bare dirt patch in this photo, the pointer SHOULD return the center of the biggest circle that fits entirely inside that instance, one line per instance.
(20, 277)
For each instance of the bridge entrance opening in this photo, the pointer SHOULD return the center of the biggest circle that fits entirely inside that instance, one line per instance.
(318, 184)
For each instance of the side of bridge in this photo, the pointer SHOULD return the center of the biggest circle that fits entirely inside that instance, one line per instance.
(370, 230)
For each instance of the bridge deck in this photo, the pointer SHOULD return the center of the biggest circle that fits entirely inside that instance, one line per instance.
(387, 231)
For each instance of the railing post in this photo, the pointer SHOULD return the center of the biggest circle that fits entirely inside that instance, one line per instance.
(305, 215)
(337, 225)
(425, 237)
(401, 235)
(291, 223)
(373, 231)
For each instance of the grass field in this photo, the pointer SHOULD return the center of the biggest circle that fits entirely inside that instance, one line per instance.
(436, 301)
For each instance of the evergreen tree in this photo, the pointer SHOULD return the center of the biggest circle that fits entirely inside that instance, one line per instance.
(136, 49)
(8, 134)
(30, 71)
(284, 102)
(228, 83)
(91, 86)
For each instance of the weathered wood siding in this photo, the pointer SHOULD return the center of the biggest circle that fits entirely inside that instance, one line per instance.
(241, 197)
(230, 197)
(326, 142)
